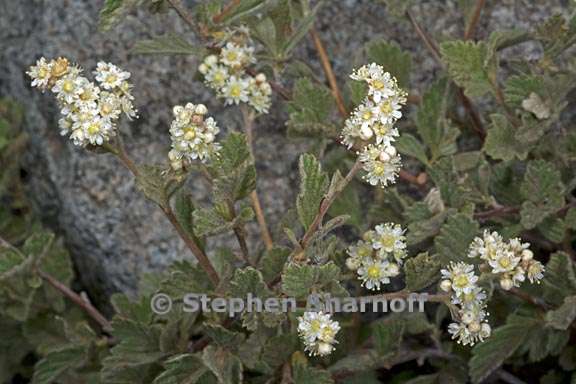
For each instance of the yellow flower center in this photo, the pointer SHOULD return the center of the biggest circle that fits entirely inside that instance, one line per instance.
(373, 272)
(380, 129)
(364, 251)
(327, 333)
(386, 107)
(43, 73)
(235, 90)
(190, 133)
(93, 128)
(504, 262)
(315, 325)
(367, 115)
(231, 56)
(377, 84)
(388, 240)
(68, 86)
(461, 281)
(378, 169)
(111, 78)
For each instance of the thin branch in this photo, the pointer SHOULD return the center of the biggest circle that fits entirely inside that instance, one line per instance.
(167, 209)
(240, 234)
(327, 66)
(327, 202)
(471, 29)
(249, 129)
(466, 102)
(508, 377)
(78, 300)
(186, 16)
(527, 298)
(226, 10)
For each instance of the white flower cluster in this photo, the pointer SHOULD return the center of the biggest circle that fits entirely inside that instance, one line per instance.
(512, 261)
(227, 74)
(89, 111)
(371, 125)
(318, 332)
(193, 135)
(378, 256)
(459, 279)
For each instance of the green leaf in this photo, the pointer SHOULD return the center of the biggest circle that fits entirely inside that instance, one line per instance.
(543, 190)
(300, 30)
(235, 174)
(57, 363)
(114, 11)
(388, 335)
(470, 65)
(519, 87)
(409, 145)
(210, 221)
(225, 366)
(433, 127)
(305, 374)
(152, 182)
(560, 278)
(313, 188)
(455, 237)
(421, 271)
(491, 354)
(394, 60)
(273, 262)
(553, 229)
(248, 280)
(182, 369)
(501, 143)
(167, 45)
(562, 317)
(299, 280)
(310, 110)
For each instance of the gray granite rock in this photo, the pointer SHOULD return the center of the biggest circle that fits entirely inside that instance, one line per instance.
(115, 234)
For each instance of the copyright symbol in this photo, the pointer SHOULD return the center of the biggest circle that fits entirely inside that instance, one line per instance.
(161, 304)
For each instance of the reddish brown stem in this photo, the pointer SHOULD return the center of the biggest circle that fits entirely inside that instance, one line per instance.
(226, 10)
(329, 72)
(471, 29)
(78, 300)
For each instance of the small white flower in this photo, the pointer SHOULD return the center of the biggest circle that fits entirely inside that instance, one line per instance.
(389, 237)
(318, 332)
(193, 136)
(535, 271)
(110, 76)
(235, 56)
(378, 171)
(462, 277)
(235, 90)
(504, 261)
(373, 273)
(68, 88)
(40, 73)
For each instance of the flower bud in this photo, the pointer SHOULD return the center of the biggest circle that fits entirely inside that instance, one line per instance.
(485, 330)
(385, 157)
(211, 60)
(506, 283)
(366, 133)
(203, 68)
(527, 255)
(474, 327)
(391, 150)
(324, 349)
(260, 77)
(352, 263)
(393, 269)
(201, 109)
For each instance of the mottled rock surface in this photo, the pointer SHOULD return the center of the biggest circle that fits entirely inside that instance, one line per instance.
(113, 233)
